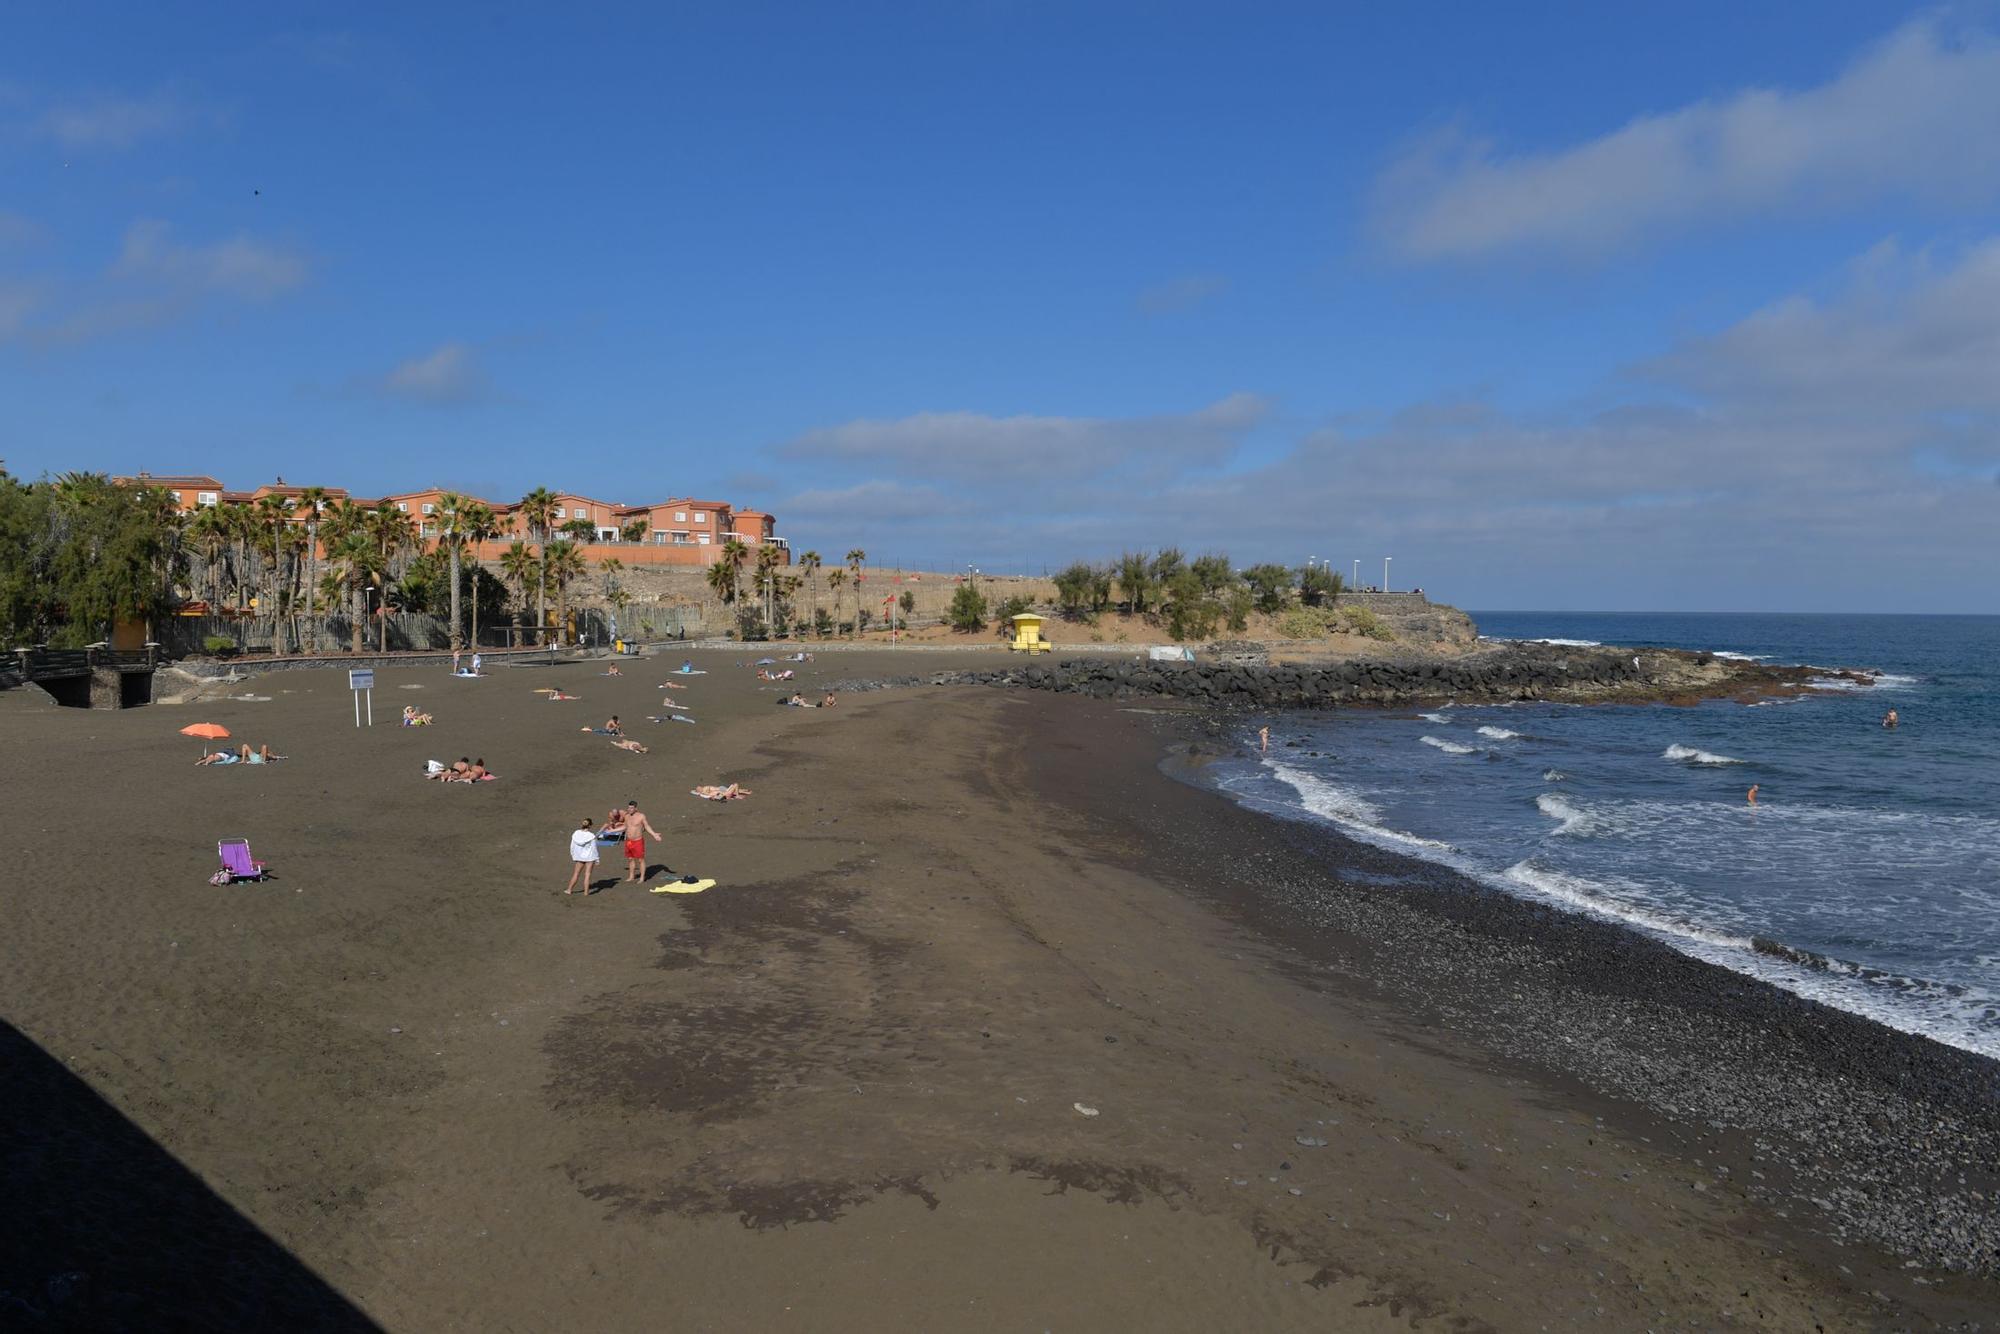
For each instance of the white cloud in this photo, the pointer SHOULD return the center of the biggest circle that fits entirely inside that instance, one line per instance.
(449, 375)
(114, 122)
(240, 266)
(1821, 454)
(966, 446)
(1903, 334)
(154, 280)
(1912, 117)
(1181, 295)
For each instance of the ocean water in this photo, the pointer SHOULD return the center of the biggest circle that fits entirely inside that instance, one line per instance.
(1873, 854)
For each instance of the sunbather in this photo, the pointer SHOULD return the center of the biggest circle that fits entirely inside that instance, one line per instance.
(627, 743)
(711, 792)
(241, 755)
(460, 771)
(613, 671)
(411, 718)
(477, 773)
(827, 702)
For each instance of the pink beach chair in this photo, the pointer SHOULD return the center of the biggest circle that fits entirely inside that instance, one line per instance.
(237, 863)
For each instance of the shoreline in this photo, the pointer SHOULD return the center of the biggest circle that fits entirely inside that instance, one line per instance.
(1572, 994)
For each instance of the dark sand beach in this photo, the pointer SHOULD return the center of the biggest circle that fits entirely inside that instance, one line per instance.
(988, 1024)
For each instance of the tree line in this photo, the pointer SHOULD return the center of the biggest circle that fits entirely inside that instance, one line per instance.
(1192, 596)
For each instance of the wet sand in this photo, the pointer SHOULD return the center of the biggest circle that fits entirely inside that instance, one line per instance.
(841, 1089)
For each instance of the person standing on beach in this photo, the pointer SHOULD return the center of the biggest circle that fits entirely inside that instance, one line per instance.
(583, 856)
(1263, 739)
(454, 661)
(637, 829)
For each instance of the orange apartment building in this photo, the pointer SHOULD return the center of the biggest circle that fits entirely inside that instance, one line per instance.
(673, 532)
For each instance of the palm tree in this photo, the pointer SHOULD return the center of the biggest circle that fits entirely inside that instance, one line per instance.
(451, 516)
(580, 530)
(393, 535)
(809, 566)
(274, 519)
(538, 511)
(722, 581)
(635, 531)
(211, 533)
(768, 559)
(833, 582)
(479, 526)
(733, 555)
(854, 559)
(312, 499)
(359, 562)
(520, 564)
(564, 562)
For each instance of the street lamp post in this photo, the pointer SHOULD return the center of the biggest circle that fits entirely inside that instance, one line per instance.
(1385, 572)
(1357, 572)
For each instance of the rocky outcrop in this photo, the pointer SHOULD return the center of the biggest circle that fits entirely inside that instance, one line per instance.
(1507, 672)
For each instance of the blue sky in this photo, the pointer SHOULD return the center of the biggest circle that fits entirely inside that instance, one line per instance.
(1589, 308)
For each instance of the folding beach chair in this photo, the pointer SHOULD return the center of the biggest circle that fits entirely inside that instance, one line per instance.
(237, 863)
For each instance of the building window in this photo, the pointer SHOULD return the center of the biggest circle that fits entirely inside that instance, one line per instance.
(403, 506)
(427, 530)
(681, 539)
(701, 539)
(680, 516)
(430, 509)
(659, 537)
(176, 495)
(700, 517)
(205, 498)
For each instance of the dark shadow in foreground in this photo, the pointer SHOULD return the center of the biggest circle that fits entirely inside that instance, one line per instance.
(102, 1229)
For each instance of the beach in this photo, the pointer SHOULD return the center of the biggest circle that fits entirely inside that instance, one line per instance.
(989, 1023)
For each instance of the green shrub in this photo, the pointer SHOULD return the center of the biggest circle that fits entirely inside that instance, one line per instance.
(218, 644)
(968, 608)
(1307, 622)
(1004, 614)
(1361, 621)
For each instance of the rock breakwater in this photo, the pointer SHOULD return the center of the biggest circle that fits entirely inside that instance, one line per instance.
(1508, 672)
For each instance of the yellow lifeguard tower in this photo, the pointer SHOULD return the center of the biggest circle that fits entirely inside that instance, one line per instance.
(1028, 635)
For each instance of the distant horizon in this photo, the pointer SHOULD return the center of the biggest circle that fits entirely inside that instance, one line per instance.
(1590, 301)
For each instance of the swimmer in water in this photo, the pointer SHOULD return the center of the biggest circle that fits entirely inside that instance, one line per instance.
(1264, 739)
(1751, 795)
(1890, 719)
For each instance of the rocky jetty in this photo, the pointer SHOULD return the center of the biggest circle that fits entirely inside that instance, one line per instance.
(1523, 671)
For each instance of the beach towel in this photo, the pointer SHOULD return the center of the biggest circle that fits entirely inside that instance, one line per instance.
(685, 885)
(691, 671)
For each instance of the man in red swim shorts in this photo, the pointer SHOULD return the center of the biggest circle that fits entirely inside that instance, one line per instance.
(637, 829)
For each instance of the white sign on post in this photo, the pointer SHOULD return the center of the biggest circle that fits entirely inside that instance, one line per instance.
(360, 680)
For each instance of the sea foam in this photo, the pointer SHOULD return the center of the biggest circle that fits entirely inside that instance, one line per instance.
(1690, 755)
(1450, 747)
(1499, 733)
(1556, 807)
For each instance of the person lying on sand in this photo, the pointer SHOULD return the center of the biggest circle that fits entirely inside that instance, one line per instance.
(460, 771)
(627, 743)
(241, 755)
(555, 695)
(710, 792)
(796, 702)
(477, 773)
(672, 685)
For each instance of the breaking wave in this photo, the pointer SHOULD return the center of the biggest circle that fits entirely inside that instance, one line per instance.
(1690, 755)
(1450, 747)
